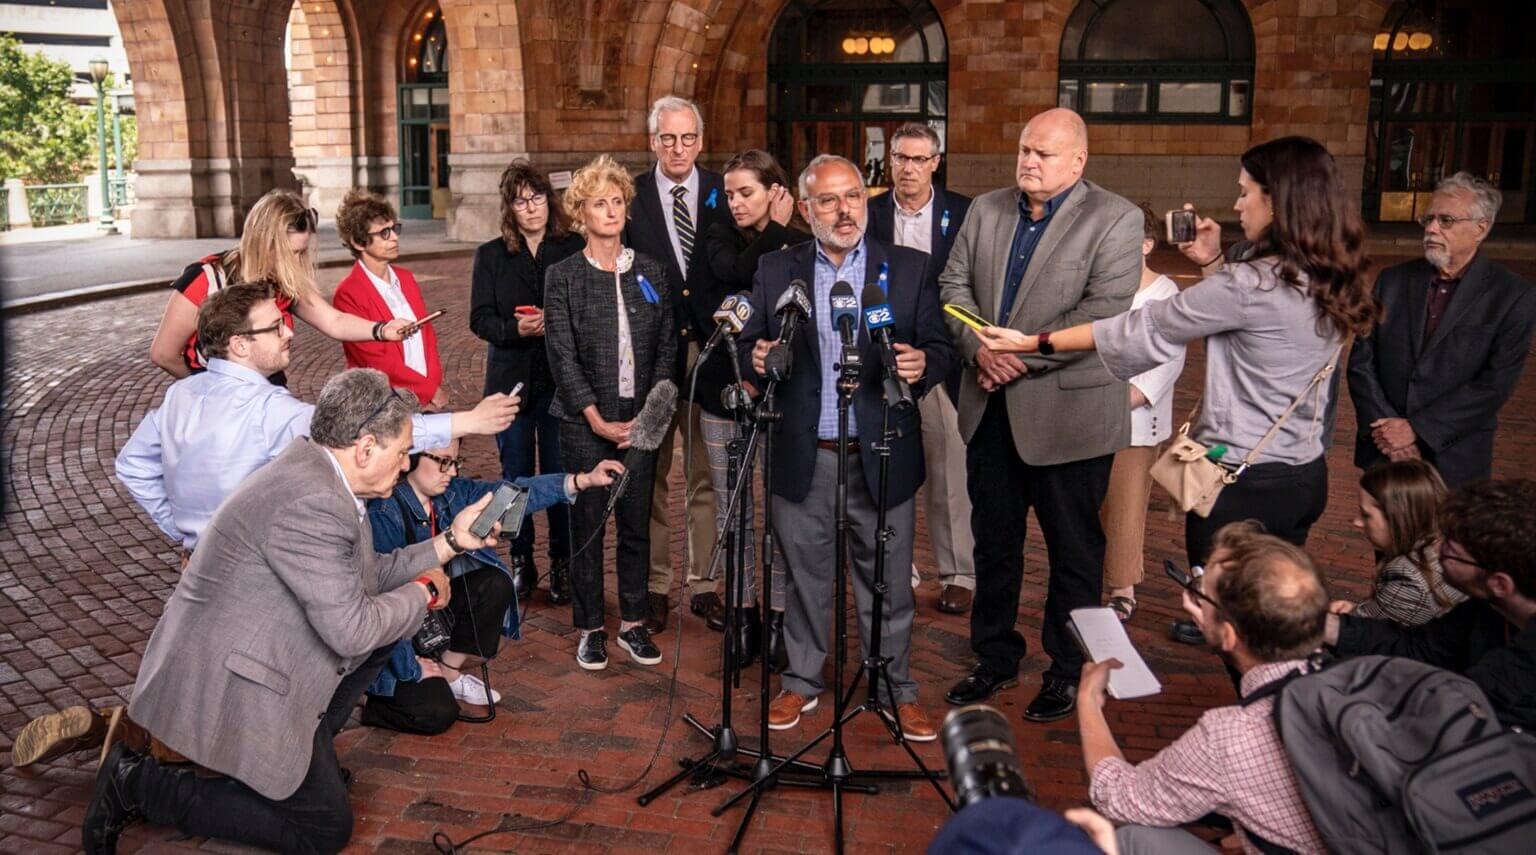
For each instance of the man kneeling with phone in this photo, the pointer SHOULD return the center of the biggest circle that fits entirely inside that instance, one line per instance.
(419, 689)
(283, 615)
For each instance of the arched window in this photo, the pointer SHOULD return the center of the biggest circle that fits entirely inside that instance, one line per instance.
(427, 56)
(423, 117)
(844, 74)
(1169, 61)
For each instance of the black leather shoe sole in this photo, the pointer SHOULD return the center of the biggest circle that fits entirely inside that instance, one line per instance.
(977, 694)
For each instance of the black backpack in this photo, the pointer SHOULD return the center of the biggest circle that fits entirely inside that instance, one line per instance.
(1395, 756)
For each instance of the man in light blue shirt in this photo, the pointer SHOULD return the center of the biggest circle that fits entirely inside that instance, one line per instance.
(215, 428)
(828, 341)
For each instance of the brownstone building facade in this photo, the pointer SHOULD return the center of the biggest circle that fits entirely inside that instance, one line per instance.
(427, 100)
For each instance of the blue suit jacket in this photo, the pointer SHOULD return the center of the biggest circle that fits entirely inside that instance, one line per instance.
(914, 301)
(949, 211)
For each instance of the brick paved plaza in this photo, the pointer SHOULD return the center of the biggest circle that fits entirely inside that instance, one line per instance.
(85, 575)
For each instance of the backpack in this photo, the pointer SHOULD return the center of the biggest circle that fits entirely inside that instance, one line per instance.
(1395, 756)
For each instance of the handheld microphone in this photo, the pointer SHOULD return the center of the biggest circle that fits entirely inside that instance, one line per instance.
(878, 318)
(845, 312)
(645, 434)
(793, 309)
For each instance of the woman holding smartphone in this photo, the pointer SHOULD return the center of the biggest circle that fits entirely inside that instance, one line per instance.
(1272, 323)
(506, 309)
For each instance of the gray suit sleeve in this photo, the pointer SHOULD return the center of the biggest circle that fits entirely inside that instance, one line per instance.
(311, 548)
(1364, 383)
(1113, 276)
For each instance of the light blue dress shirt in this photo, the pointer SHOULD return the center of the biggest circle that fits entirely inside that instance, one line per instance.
(211, 431)
(830, 343)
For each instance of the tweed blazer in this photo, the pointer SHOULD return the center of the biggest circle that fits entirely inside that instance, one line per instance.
(581, 330)
(283, 597)
(1086, 266)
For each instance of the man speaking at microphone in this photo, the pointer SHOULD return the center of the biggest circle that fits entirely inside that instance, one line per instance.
(804, 477)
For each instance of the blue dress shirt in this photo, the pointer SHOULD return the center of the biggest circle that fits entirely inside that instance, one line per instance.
(1026, 236)
(213, 429)
(830, 344)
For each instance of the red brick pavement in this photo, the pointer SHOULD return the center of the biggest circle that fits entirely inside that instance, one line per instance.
(84, 575)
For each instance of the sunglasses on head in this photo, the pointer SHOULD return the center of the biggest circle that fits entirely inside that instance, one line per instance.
(305, 221)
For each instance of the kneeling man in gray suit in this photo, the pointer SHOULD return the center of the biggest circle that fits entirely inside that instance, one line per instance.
(283, 616)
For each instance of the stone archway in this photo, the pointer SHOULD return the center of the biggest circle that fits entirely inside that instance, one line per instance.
(323, 73)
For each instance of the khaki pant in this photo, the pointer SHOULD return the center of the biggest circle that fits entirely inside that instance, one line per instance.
(1124, 516)
(700, 513)
(946, 502)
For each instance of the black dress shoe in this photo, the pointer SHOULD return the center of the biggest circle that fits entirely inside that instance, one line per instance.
(1187, 632)
(112, 808)
(525, 576)
(656, 621)
(560, 582)
(778, 654)
(1057, 699)
(980, 684)
(748, 626)
(708, 606)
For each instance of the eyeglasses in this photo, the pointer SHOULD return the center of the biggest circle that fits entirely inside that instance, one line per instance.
(826, 203)
(523, 203)
(1444, 220)
(671, 140)
(1189, 582)
(1459, 559)
(305, 221)
(387, 232)
(915, 160)
(446, 464)
(393, 396)
(275, 327)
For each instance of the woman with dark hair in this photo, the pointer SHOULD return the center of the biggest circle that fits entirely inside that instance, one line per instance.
(758, 193)
(1272, 323)
(506, 308)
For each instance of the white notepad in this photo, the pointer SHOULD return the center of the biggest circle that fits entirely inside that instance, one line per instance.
(1102, 637)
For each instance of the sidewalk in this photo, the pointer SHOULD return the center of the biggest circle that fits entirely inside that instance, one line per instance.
(63, 264)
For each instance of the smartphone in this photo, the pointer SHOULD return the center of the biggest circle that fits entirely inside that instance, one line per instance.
(966, 316)
(418, 324)
(500, 501)
(527, 310)
(512, 519)
(1181, 226)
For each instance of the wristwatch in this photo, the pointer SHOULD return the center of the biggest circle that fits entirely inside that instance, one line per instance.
(453, 542)
(1043, 344)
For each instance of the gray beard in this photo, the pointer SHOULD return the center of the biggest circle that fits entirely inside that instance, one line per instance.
(826, 234)
(1440, 258)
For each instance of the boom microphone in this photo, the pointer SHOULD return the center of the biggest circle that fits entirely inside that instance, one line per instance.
(878, 318)
(793, 309)
(646, 433)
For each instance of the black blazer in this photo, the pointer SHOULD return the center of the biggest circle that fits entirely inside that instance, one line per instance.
(1451, 387)
(914, 302)
(503, 280)
(949, 211)
(695, 298)
(581, 330)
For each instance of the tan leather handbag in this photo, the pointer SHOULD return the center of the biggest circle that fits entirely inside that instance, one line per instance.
(1193, 479)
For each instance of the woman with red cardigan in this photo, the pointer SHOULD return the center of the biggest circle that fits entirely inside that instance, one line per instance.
(379, 291)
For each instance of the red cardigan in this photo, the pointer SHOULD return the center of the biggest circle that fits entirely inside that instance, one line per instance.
(357, 296)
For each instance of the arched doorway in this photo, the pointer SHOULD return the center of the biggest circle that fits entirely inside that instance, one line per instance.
(844, 74)
(1452, 89)
(423, 118)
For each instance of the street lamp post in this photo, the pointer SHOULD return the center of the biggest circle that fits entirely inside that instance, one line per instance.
(99, 70)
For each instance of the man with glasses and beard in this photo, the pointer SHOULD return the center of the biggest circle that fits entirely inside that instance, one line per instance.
(805, 461)
(1430, 380)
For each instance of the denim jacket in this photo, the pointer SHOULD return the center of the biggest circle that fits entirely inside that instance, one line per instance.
(389, 534)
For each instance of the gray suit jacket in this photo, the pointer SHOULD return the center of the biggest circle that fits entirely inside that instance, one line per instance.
(283, 597)
(1086, 267)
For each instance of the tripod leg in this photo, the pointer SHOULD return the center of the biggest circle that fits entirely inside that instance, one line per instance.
(741, 828)
(690, 767)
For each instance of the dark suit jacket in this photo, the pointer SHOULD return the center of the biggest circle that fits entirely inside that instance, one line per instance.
(949, 211)
(501, 282)
(914, 302)
(694, 298)
(1451, 387)
(581, 330)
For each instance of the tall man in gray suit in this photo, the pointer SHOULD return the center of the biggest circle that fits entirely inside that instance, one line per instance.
(283, 616)
(1055, 251)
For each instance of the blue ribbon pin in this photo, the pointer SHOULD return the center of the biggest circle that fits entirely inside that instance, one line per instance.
(944, 225)
(646, 289)
(885, 277)
(714, 196)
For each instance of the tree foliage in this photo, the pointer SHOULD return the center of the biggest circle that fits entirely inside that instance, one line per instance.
(45, 138)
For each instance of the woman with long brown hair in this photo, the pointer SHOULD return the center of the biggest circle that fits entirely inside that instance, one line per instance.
(1271, 322)
(1400, 516)
(277, 245)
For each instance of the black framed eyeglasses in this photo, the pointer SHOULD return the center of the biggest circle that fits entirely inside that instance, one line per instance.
(918, 159)
(446, 464)
(523, 203)
(275, 327)
(671, 140)
(1189, 582)
(1445, 221)
(1461, 559)
(305, 221)
(393, 396)
(387, 232)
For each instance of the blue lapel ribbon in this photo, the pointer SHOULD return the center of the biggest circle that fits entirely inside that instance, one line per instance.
(885, 277)
(646, 289)
(944, 225)
(714, 196)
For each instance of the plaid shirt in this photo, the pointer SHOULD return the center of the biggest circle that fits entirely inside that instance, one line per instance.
(1231, 762)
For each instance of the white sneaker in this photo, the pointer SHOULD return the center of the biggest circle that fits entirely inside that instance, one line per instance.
(471, 690)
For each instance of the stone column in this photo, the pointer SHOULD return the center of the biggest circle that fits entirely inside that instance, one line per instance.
(20, 216)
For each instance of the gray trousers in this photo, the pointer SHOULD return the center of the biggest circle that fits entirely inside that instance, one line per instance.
(1146, 840)
(807, 533)
(717, 432)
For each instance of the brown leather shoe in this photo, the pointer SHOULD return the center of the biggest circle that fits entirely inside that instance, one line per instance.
(56, 734)
(656, 621)
(915, 725)
(784, 712)
(955, 600)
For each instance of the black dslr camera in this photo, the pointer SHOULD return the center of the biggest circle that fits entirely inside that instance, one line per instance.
(431, 641)
(983, 760)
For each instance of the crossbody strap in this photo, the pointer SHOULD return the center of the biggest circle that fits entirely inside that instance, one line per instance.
(1321, 375)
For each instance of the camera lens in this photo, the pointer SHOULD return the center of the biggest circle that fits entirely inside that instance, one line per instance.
(983, 762)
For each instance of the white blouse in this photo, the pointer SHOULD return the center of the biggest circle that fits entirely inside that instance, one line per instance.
(1153, 422)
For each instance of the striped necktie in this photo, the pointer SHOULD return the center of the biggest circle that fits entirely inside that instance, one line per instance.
(684, 222)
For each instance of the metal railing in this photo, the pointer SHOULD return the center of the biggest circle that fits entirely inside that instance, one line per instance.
(57, 204)
(122, 192)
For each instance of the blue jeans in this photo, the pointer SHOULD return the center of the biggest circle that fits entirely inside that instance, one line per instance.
(533, 429)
